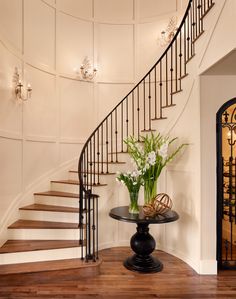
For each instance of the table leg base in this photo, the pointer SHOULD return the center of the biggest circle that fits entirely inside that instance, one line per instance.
(144, 264)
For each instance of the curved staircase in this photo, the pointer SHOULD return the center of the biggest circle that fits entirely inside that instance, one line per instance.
(60, 230)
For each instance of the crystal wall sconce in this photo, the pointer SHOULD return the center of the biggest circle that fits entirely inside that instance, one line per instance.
(168, 34)
(19, 88)
(86, 71)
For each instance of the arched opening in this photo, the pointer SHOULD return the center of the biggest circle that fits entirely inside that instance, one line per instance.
(226, 185)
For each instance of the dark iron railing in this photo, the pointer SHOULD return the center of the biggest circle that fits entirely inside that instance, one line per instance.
(133, 116)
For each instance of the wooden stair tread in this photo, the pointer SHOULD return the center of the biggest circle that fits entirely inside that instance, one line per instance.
(49, 208)
(58, 194)
(76, 182)
(36, 224)
(89, 172)
(46, 266)
(177, 91)
(109, 162)
(33, 245)
(148, 130)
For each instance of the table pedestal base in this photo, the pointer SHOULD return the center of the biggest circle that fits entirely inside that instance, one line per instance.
(145, 264)
(143, 244)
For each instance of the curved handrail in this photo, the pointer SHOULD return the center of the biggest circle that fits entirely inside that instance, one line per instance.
(171, 69)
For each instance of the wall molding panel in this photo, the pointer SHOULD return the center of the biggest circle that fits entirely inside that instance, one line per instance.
(46, 40)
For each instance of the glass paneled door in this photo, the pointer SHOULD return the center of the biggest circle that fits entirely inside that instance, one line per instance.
(226, 185)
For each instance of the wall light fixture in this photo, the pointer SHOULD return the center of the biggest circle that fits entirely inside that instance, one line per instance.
(19, 88)
(86, 71)
(168, 34)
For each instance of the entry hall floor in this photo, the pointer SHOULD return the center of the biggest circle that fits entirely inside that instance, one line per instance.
(177, 280)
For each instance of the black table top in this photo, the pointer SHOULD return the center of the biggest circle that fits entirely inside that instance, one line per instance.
(122, 214)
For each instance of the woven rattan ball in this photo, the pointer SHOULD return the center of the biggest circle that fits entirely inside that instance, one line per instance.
(149, 210)
(162, 203)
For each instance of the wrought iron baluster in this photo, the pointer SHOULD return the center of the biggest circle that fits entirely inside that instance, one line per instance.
(180, 60)
(155, 92)
(98, 157)
(144, 106)
(127, 118)
(97, 227)
(138, 112)
(171, 75)
(167, 88)
(188, 38)
(185, 50)
(149, 100)
(160, 84)
(176, 65)
(122, 124)
(102, 146)
(107, 144)
(111, 134)
(94, 161)
(133, 113)
(93, 228)
(116, 133)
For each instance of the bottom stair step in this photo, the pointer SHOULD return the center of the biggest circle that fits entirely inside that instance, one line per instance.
(27, 251)
(33, 245)
(47, 266)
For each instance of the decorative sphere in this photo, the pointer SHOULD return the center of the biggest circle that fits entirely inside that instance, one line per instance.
(162, 203)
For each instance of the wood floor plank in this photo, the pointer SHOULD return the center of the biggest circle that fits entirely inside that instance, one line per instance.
(176, 281)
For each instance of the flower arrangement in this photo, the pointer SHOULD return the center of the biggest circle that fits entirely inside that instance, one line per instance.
(150, 156)
(133, 181)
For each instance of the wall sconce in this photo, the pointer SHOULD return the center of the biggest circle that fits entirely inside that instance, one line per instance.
(19, 88)
(86, 71)
(168, 34)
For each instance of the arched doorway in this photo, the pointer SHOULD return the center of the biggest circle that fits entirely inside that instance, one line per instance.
(226, 185)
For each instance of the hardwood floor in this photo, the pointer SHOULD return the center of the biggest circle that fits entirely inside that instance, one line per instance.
(176, 281)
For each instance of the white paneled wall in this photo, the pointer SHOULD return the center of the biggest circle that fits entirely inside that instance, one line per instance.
(47, 40)
(114, 11)
(74, 42)
(116, 53)
(39, 33)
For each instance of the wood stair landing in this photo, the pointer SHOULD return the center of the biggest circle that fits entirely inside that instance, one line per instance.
(11, 246)
(49, 266)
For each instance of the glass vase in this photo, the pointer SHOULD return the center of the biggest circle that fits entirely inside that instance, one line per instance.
(133, 206)
(150, 191)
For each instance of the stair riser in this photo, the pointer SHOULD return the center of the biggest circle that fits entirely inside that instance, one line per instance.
(57, 201)
(102, 178)
(49, 216)
(70, 188)
(40, 255)
(43, 234)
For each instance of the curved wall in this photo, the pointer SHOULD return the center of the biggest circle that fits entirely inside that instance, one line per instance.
(46, 40)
